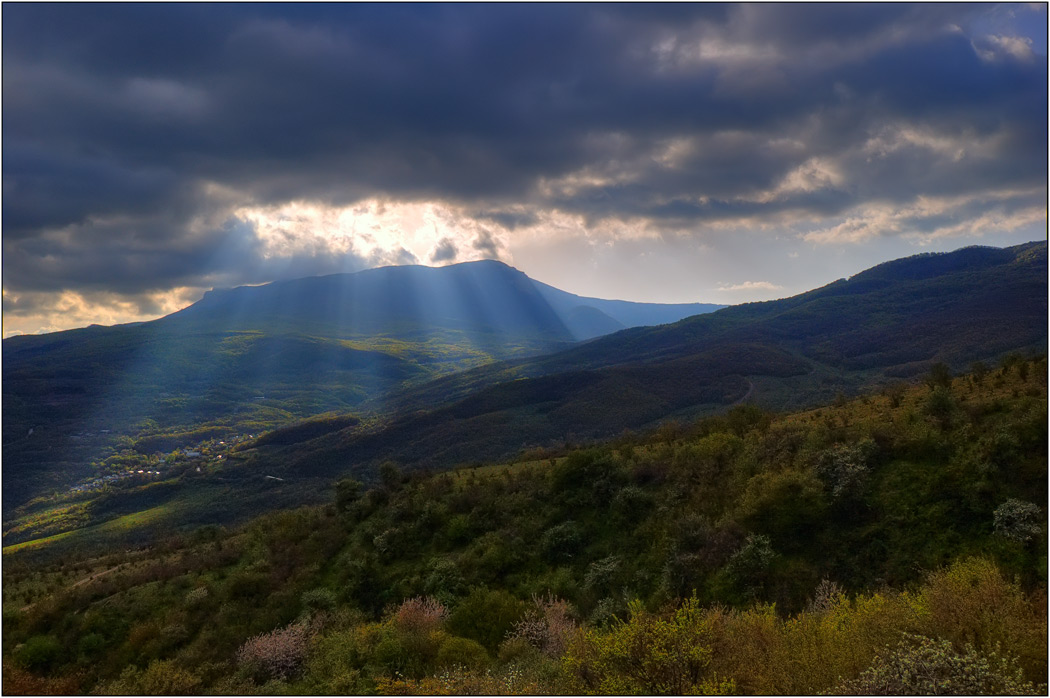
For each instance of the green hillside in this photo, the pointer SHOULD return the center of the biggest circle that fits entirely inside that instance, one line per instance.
(888, 323)
(748, 553)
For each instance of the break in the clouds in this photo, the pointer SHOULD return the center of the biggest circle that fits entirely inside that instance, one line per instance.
(650, 152)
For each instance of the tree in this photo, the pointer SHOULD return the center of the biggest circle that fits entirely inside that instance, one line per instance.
(347, 492)
(940, 376)
(979, 369)
(1017, 520)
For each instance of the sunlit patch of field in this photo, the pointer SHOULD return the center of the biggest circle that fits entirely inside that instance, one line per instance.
(120, 524)
(51, 521)
(463, 476)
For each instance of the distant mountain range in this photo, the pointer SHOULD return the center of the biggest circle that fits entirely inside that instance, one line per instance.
(887, 323)
(248, 359)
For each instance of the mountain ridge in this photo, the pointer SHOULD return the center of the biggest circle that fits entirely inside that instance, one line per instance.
(972, 304)
(253, 358)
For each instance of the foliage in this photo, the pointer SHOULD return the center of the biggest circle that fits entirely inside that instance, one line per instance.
(648, 654)
(277, 654)
(470, 592)
(161, 677)
(1017, 520)
(486, 616)
(547, 626)
(922, 666)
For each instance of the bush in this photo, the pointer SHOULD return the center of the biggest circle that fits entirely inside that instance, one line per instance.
(547, 626)
(486, 616)
(444, 581)
(1017, 520)
(161, 678)
(922, 666)
(39, 654)
(562, 542)
(421, 615)
(318, 600)
(971, 603)
(459, 652)
(844, 468)
(647, 654)
(277, 654)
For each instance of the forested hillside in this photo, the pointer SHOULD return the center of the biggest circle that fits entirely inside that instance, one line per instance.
(834, 549)
(890, 322)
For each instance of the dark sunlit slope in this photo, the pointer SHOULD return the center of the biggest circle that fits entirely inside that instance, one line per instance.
(892, 321)
(483, 298)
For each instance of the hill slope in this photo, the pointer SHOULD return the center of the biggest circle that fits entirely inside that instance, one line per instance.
(892, 321)
(247, 359)
(786, 551)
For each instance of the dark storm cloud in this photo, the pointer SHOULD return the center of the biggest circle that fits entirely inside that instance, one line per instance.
(446, 251)
(122, 120)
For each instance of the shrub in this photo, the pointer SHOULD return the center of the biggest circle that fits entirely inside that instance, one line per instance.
(277, 654)
(844, 468)
(547, 626)
(562, 542)
(940, 376)
(631, 504)
(463, 653)
(486, 616)
(971, 603)
(601, 575)
(788, 505)
(420, 615)
(444, 580)
(940, 405)
(39, 654)
(161, 678)
(647, 654)
(1017, 520)
(318, 600)
(922, 666)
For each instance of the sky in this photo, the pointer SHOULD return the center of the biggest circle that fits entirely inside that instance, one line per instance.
(662, 153)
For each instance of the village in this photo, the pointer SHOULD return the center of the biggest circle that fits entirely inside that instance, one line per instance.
(132, 467)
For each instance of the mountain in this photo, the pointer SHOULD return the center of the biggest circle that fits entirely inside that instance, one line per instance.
(890, 322)
(248, 359)
(594, 317)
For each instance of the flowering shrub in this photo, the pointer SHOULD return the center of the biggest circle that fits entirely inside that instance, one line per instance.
(196, 595)
(420, 615)
(277, 654)
(921, 666)
(1017, 520)
(547, 626)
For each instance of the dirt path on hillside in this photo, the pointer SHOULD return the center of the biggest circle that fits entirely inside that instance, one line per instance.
(85, 580)
(750, 389)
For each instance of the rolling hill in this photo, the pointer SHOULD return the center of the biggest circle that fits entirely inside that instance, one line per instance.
(248, 359)
(887, 323)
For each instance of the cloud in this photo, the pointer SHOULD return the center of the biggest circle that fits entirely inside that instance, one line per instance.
(752, 286)
(444, 252)
(995, 47)
(150, 147)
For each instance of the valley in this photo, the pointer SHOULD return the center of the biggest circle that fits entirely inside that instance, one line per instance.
(206, 412)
